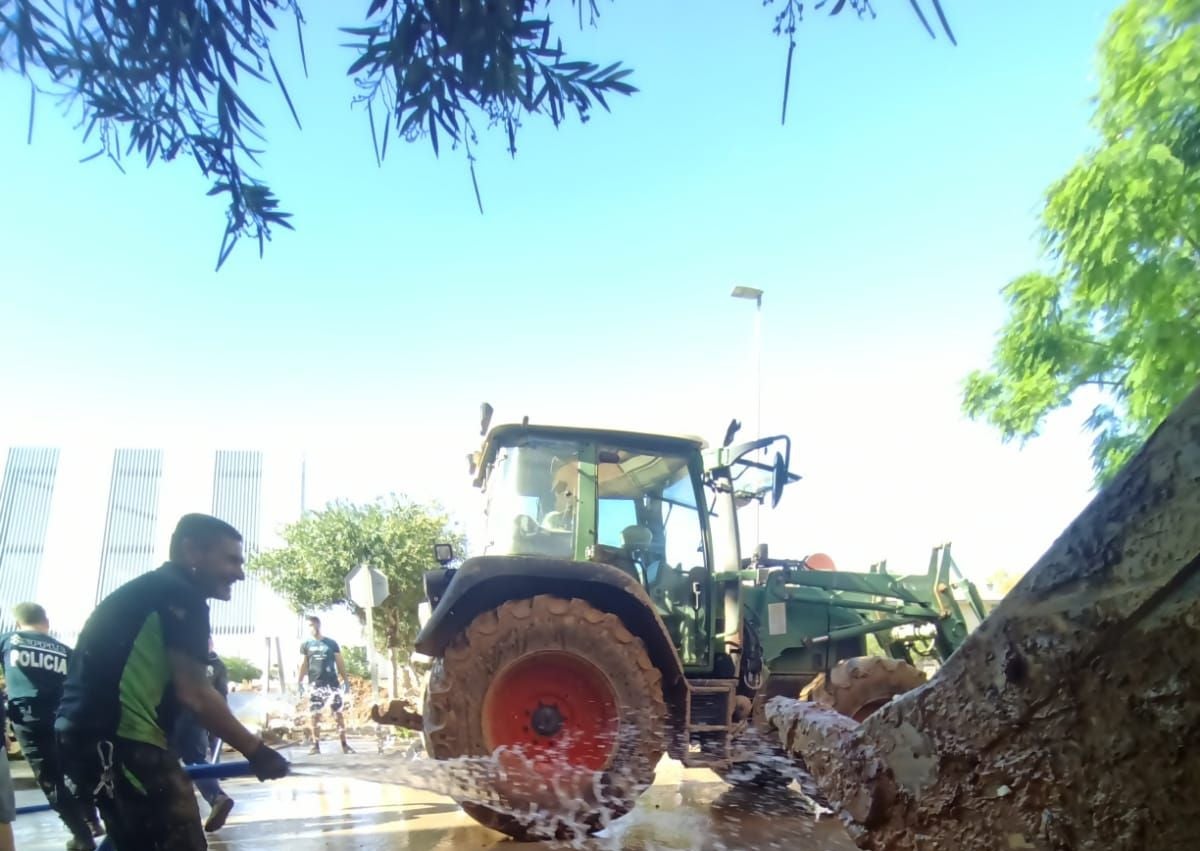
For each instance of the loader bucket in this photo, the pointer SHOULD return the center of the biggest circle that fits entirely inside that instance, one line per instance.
(1070, 719)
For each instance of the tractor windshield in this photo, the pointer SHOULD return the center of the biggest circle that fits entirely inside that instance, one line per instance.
(532, 500)
(642, 505)
(632, 508)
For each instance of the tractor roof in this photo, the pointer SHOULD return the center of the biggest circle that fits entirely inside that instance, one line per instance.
(509, 433)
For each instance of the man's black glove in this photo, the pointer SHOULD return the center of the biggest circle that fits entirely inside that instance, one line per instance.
(268, 763)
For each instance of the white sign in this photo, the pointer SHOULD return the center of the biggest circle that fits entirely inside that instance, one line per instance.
(776, 618)
(366, 587)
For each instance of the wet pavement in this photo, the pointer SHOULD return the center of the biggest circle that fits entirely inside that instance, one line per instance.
(323, 807)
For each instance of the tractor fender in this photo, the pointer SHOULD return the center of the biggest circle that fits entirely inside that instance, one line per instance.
(485, 582)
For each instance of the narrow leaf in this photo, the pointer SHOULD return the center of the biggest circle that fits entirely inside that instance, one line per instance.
(937, 7)
(917, 8)
(283, 88)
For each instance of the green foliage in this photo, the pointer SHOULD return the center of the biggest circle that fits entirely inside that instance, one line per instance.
(356, 661)
(1120, 310)
(395, 536)
(241, 669)
(170, 77)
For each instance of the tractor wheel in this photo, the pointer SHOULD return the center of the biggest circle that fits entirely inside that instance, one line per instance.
(857, 687)
(572, 699)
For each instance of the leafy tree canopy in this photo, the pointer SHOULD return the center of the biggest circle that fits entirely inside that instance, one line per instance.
(161, 78)
(240, 670)
(1119, 309)
(395, 536)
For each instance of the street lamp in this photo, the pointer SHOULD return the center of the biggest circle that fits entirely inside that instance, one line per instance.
(755, 295)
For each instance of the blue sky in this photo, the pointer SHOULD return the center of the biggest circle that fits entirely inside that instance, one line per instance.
(881, 221)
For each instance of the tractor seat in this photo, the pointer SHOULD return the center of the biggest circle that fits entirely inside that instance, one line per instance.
(636, 537)
(639, 543)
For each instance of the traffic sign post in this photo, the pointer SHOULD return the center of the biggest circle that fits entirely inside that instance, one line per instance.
(367, 588)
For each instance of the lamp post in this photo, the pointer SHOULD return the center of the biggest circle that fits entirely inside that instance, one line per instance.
(755, 295)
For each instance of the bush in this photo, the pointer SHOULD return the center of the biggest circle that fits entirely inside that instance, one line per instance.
(356, 662)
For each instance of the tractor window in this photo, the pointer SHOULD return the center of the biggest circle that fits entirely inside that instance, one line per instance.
(531, 500)
(647, 513)
(683, 535)
(647, 507)
(615, 516)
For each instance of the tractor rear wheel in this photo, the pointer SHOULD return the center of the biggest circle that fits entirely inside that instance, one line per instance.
(857, 687)
(568, 696)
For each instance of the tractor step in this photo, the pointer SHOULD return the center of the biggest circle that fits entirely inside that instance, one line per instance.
(709, 722)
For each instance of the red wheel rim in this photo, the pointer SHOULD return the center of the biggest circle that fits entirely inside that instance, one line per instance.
(556, 708)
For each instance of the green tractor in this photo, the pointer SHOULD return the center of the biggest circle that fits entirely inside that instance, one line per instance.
(611, 619)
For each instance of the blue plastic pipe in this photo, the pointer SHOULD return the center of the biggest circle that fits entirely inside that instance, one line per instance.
(218, 771)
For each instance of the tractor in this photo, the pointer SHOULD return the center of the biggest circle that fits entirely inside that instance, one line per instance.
(610, 619)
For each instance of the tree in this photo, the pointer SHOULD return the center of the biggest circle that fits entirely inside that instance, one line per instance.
(395, 536)
(356, 661)
(168, 77)
(240, 670)
(1119, 310)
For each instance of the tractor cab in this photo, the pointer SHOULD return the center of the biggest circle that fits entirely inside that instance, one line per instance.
(639, 502)
(628, 500)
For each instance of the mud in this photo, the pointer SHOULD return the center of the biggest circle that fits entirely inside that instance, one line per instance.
(1071, 718)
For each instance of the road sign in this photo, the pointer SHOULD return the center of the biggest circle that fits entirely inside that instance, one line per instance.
(366, 587)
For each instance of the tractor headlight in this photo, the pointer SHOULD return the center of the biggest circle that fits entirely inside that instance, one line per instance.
(424, 612)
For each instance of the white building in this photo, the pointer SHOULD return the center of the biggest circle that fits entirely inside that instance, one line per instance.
(77, 523)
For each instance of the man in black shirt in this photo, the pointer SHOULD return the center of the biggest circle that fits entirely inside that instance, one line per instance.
(35, 664)
(321, 661)
(140, 657)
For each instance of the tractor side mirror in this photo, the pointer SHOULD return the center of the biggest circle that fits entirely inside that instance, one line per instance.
(779, 479)
(731, 432)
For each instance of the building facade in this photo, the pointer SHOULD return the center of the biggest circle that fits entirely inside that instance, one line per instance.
(75, 524)
(26, 493)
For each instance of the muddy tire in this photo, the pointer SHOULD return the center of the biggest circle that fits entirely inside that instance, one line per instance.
(857, 687)
(567, 689)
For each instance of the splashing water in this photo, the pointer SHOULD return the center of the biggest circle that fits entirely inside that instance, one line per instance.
(677, 813)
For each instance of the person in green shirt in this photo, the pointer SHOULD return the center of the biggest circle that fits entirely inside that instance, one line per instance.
(141, 657)
(35, 665)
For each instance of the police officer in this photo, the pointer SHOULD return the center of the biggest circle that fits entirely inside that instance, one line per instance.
(8, 797)
(35, 665)
(140, 658)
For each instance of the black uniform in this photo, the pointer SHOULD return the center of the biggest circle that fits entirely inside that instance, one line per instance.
(8, 798)
(35, 665)
(119, 704)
